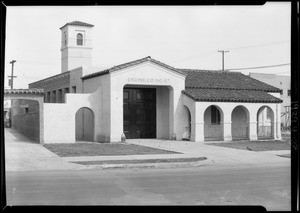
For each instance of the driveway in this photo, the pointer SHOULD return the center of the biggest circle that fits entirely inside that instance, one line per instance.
(22, 154)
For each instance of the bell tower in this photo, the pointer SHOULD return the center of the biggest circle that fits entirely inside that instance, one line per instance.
(76, 45)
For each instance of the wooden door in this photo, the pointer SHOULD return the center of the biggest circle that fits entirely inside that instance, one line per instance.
(139, 108)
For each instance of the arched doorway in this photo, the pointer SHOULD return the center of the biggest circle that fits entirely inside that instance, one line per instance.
(84, 121)
(186, 121)
(265, 123)
(213, 123)
(240, 123)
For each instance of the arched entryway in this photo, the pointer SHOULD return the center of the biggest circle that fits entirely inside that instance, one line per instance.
(213, 123)
(84, 120)
(240, 123)
(186, 121)
(26, 112)
(265, 123)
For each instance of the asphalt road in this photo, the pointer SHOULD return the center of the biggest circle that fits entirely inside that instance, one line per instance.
(266, 186)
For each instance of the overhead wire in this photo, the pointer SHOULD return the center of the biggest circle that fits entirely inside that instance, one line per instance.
(231, 49)
(259, 45)
(260, 67)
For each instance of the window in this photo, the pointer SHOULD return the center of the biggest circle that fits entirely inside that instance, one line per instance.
(48, 97)
(79, 39)
(59, 96)
(281, 92)
(215, 115)
(289, 92)
(74, 89)
(65, 38)
(53, 96)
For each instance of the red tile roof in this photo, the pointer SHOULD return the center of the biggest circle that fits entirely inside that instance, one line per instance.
(224, 80)
(78, 23)
(202, 78)
(24, 91)
(225, 95)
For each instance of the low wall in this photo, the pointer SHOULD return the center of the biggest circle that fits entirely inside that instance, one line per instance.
(213, 131)
(59, 119)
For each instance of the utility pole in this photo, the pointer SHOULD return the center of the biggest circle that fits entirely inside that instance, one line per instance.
(11, 80)
(223, 51)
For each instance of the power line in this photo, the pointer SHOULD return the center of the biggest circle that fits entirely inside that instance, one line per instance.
(235, 48)
(281, 73)
(261, 67)
(194, 57)
(259, 45)
(37, 62)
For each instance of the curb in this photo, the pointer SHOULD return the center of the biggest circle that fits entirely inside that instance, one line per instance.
(149, 165)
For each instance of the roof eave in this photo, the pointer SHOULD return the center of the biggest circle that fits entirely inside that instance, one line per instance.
(131, 64)
(240, 100)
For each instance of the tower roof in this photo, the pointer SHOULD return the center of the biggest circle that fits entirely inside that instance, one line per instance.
(78, 23)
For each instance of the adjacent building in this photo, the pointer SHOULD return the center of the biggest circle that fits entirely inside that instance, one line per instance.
(146, 98)
(284, 84)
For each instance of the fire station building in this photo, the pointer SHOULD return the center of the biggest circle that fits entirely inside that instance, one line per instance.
(146, 98)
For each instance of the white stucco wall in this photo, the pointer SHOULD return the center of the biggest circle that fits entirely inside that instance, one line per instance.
(99, 87)
(184, 131)
(59, 125)
(191, 105)
(162, 112)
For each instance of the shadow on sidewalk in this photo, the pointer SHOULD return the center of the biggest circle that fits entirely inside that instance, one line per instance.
(12, 135)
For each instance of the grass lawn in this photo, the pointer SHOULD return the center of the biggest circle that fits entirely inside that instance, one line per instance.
(102, 149)
(256, 145)
(177, 160)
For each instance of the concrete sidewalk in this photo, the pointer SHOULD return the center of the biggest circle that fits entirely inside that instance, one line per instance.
(23, 155)
(217, 155)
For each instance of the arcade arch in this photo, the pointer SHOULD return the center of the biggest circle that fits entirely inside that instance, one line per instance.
(213, 123)
(265, 123)
(240, 123)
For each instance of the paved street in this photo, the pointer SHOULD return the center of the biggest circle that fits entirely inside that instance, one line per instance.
(267, 186)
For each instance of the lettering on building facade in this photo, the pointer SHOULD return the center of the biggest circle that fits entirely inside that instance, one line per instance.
(148, 80)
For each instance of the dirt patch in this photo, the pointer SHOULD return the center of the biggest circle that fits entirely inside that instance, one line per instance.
(256, 145)
(103, 149)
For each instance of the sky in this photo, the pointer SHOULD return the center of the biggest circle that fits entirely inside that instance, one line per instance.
(180, 36)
